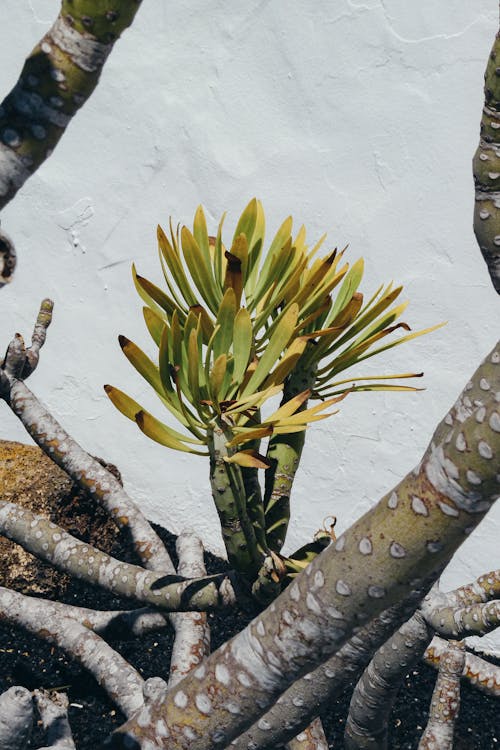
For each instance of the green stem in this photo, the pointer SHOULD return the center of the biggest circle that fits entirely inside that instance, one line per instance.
(284, 452)
(228, 492)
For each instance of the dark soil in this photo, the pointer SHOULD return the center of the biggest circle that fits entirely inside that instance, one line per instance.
(25, 660)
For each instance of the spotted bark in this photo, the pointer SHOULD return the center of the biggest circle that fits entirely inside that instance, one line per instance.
(106, 623)
(375, 693)
(192, 631)
(392, 554)
(445, 703)
(486, 169)
(121, 681)
(18, 363)
(57, 79)
(51, 543)
(484, 675)
(316, 690)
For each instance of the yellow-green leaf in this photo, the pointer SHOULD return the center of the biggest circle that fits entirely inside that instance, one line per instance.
(277, 344)
(155, 324)
(249, 458)
(242, 343)
(162, 433)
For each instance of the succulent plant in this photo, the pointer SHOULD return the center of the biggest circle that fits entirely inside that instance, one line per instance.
(234, 329)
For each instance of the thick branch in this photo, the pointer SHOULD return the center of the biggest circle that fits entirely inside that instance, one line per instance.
(57, 79)
(416, 527)
(486, 169)
(374, 695)
(192, 631)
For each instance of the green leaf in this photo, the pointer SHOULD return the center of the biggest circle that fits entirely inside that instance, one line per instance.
(277, 344)
(155, 324)
(225, 320)
(174, 265)
(200, 271)
(242, 343)
(142, 363)
(217, 374)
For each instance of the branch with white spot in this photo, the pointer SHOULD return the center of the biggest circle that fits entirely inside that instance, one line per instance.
(192, 631)
(315, 691)
(486, 170)
(16, 718)
(53, 710)
(424, 520)
(459, 622)
(58, 77)
(445, 702)
(83, 469)
(106, 623)
(121, 681)
(483, 589)
(51, 543)
(483, 674)
(375, 693)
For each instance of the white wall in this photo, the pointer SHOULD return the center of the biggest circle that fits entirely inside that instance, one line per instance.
(359, 118)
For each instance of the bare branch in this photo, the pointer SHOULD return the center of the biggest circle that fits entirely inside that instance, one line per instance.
(486, 169)
(53, 709)
(374, 695)
(106, 623)
(51, 543)
(459, 622)
(484, 675)
(16, 718)
(121, 681)
(57, 79)
(483, 589)
(445, 702)
(316, 690)
(192, 631)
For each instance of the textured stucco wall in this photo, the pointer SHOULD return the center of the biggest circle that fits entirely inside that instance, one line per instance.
(359, 118)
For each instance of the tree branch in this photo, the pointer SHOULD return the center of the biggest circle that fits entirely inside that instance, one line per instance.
(445, 702)
(484, 675)
(16, 718)
(192, 631)
(53, 709)
(57, 79)
(51, 543)
(122, 682)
